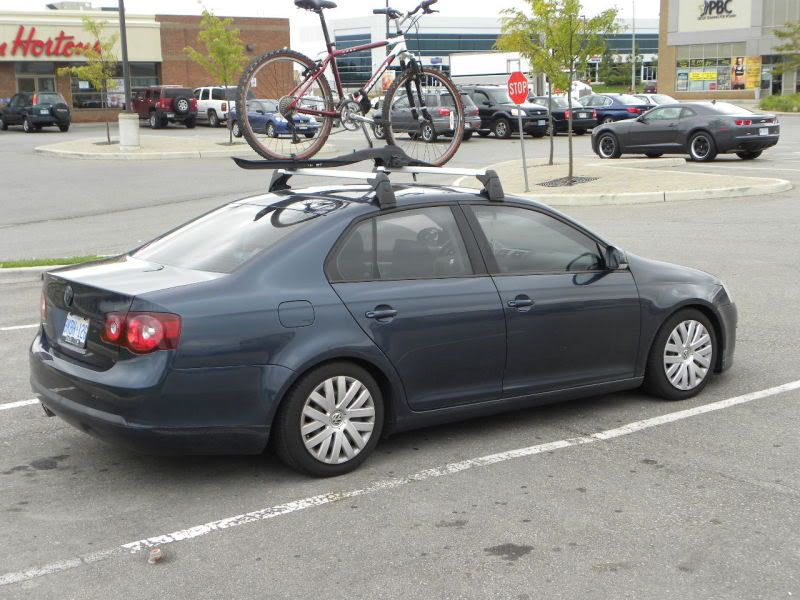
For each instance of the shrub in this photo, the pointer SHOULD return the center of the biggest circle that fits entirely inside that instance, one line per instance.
(789, 103)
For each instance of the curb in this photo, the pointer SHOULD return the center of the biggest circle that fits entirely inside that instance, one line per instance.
(25, 274)
(77, 154)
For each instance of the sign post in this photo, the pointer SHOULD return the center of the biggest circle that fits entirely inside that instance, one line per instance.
(518, 92)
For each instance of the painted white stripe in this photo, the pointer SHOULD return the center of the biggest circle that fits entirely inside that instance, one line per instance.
(386, 484)
(18, 404)
(15, 327)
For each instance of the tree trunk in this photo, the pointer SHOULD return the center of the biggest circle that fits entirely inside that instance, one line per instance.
(550, 117)
(104, 106)
(569, 121)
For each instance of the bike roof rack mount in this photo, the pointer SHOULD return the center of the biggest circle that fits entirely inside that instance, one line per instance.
(387, 160)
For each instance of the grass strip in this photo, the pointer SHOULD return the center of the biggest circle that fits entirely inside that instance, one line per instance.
(46, 262)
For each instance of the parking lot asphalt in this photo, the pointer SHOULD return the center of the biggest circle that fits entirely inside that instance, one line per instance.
(678, 505)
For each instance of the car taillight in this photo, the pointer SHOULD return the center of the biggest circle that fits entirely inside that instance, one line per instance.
(224, 107)
(475, 111)
(162, 103)
(594, 114)
(43, 307)
(743, 122)
(143, 332)
(634, 110)
(567, 114)
(443, 112)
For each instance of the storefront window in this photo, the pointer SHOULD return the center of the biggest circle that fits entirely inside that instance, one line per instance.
(715, 67)
(35, 76)
(85, 95)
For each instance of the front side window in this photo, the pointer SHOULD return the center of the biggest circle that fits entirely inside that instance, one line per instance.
(664, 114)
(412, 244)
(526, 241)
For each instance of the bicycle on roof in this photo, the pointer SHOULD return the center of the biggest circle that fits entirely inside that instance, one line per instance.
(422, 111)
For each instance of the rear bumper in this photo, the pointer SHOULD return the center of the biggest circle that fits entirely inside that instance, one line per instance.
(748, 143)
(577, 124)
(153, 408)
(48, 120)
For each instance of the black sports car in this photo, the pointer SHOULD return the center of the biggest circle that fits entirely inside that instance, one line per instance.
(700, 129)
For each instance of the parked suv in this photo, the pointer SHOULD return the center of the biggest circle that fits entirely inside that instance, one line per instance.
(163, 104)
(214, 103)
(499, 115)
(36, 110)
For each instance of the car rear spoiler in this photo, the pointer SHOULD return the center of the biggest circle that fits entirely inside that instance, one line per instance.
(386, 159)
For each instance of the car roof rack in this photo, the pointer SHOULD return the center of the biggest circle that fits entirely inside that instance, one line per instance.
(387, 159)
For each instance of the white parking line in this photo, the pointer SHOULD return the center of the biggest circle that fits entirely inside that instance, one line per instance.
(10, 405)
(383, 485)
(15, 327)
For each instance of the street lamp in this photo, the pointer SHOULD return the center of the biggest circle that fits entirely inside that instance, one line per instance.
(128, 121)
(123, 42)
(633, 48)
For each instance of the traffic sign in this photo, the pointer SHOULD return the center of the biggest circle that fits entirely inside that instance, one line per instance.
(518, 87)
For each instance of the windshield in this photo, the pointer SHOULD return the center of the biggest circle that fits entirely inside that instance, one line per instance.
(500, 96)
(222, 240)
(49, 98)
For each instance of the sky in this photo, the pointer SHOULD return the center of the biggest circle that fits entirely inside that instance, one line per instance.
(345, 8)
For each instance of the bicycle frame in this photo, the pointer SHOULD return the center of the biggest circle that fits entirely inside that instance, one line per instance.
(397, 49)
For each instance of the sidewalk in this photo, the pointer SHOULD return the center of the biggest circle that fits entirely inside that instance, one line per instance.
(630, 180)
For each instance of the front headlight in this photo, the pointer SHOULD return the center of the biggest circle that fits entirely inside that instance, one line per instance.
(515, 112)
(312, 121)
(280, 119)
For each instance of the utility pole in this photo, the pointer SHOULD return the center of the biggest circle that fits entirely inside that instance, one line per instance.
(126, 69)
(633, 49)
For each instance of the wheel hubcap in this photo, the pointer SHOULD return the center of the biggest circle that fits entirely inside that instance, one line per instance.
(337, 420)
(501, 129)
(700, 147)
(606, 146)
(687, 355)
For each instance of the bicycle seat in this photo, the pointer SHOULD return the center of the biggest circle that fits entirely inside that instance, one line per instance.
(315, 5)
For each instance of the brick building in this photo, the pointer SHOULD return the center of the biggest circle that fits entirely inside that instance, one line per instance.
(35, 44)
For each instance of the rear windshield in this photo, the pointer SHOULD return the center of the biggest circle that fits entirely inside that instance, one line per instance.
(177, 92)
(726, 108)
(448, 100)
(664, 99)
(224, 239)
(627, 99)
(49, 98)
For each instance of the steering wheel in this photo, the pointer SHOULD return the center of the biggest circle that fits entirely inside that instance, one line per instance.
(431, 236)
(577, 258)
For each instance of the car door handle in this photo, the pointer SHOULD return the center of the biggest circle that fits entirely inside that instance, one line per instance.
(520, 302)
(381, 313)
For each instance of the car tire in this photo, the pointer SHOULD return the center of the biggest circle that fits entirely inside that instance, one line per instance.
(378, 131)
(3, 125)
(27, 126)
(579, 131)
(236, 130)
(308, 135)
(608, 146)
(680, 365)
(538, 135)
(303, 420)
(501, 128)
(181, 105)
(654, 154)
(271, 131)
(607, 119)
(484, 133)
(63, 128)
(702, 147)
(190, 123)
(154, 120)
(467, 136)
(749, 155)
(213, 119)
(428, 133)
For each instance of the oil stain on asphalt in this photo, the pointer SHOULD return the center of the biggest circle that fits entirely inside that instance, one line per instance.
(509, 552)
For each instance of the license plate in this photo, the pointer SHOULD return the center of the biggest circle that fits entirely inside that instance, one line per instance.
(75, 330)
(467, 126)
(763, 131)
(170, 115)
(583, 115)
(542, 122)
(43, 111)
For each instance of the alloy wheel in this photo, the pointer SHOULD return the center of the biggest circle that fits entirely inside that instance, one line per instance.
(337, 420)
(687, 355)
(501, 129)
(428, 133)
(236, 131)
(271, 131)
(607, 146)
(700, 147)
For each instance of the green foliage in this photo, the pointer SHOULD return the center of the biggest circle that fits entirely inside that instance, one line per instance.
(790, 48)
(789, 103)
(46, 262)
(224, 51)
(555, 37)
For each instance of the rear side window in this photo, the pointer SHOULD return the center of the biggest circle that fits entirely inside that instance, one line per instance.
(526, 241)
(177, 92)
(412, 244)
(218, 94)
(226, 238)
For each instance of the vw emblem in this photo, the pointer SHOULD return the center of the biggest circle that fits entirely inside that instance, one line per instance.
(68, 295)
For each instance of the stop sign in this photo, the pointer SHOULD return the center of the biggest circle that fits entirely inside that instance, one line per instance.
(518, 87)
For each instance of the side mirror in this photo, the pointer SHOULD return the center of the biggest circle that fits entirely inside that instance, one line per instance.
(486, 103)
(615, 259)
(261, 112)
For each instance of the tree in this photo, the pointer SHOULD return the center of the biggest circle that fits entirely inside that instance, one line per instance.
(790, 48)
(101, 62)
(224, 51)
(557, 40)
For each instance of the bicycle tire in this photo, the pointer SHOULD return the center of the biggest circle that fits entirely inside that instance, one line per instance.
(241, 105)
(458, 130)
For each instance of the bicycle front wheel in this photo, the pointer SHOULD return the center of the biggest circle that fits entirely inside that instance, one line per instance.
(424, 115)
(267, 90)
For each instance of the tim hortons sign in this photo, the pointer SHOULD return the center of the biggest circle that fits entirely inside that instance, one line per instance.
(26, 44)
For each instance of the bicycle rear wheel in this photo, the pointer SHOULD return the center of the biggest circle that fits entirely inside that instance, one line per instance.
(283, 133)
(429, 125)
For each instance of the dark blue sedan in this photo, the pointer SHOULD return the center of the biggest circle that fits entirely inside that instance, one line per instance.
(322, 320)
(265, 118)
(614, 107)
